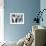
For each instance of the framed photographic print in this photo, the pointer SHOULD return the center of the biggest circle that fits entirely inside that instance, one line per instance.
(16, 18)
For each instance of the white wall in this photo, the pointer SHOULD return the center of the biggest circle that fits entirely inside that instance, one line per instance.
(1, 21)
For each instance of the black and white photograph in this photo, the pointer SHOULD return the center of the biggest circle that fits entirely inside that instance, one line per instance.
(16, 18)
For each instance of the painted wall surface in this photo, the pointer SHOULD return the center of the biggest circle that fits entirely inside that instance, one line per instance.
(43, 6)
(1, 20)
(29, 8)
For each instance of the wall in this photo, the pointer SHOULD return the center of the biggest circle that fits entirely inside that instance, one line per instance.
(43, 6)
(29, 8)
(1, 20)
